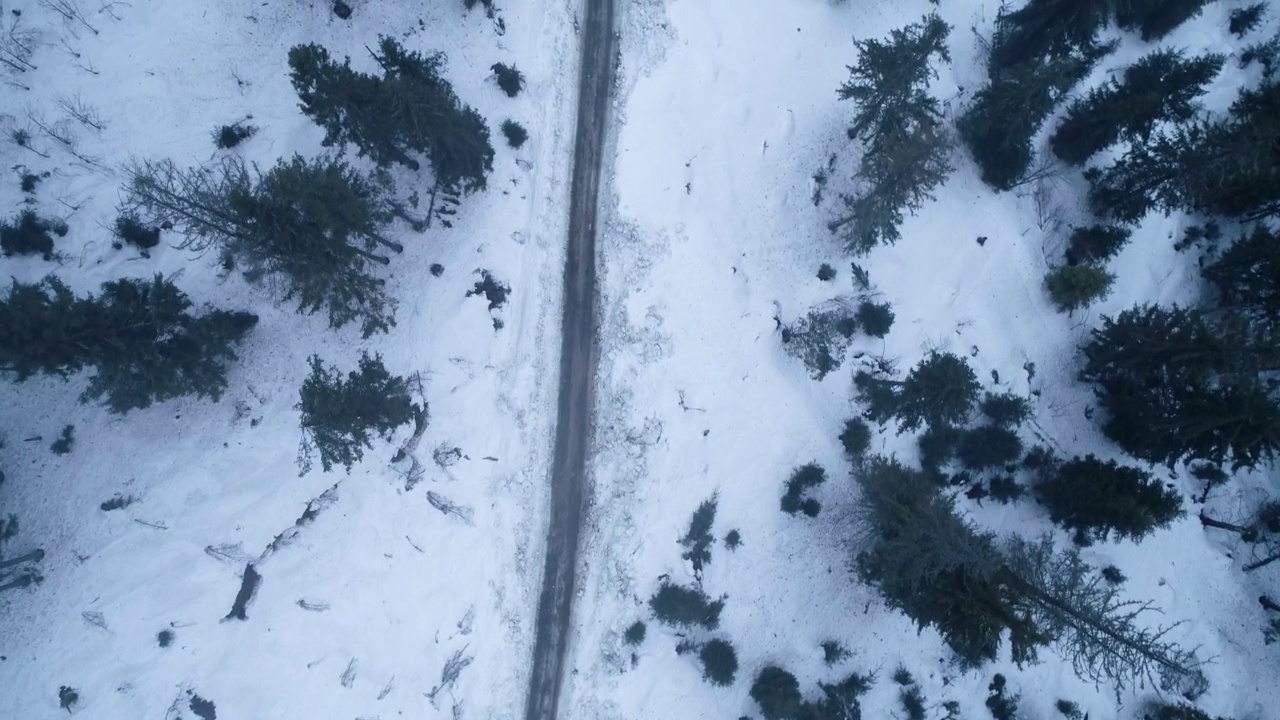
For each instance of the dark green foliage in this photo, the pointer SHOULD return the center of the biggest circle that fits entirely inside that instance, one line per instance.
(1177, 384)
(907, 147)
(1211, 167)
(315, 224)
(820, 339)
(1095, 498)
(164, 638)
(826, 273)
(1005, 115)
(341, 415)
(635, 633)
(880, 395)
(30, 234)
(1002, 705)
(938, 446)
(1156, 18)
(988, 446)
(1247, 276)
(67, 698)
(229, 136)
(912, 699)
(833, 652)
(1246, 18)
(202, 708)
(1072, 287)
(128, 228)
(29, 181)
(65, 441)
(411, 108)
(697, 542)
(875, 318)
(119, 502)
(733, 540)
(1069, 710)
(1005, 410)
(939, 391)
(856, 438)
(510, 80)
(1160, 87)
(493, 290)
(515, 133)
(139, 336)
(1044, 28)
(1005, 489)
(801, 480)
(1176, 711)
(1095, 243)
(777, 693)
(719, 662)
(840, 700)
(685, 607)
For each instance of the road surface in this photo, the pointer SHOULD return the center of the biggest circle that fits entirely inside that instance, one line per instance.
(577, 367)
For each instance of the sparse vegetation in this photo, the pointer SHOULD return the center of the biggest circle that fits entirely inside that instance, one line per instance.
(1072, 287)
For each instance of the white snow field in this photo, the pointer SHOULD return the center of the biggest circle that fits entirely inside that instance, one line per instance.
(726, 109)
(393, 589)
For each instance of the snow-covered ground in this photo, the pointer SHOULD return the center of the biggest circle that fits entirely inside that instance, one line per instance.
(726, 109)
(393, 588)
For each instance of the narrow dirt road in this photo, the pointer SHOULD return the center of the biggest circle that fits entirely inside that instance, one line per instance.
(577, 367)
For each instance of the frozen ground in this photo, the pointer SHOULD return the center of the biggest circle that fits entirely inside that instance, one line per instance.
(726, 108)
(392, 588)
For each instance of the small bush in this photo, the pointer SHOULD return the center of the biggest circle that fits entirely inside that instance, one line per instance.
(119, 502)
(875, 318)
(1095, 243)
(685, 607)
(1069, 710)
(131, 230)
(912, 699)
(1005, 410)
(988, 446)
(856, 438)
(636, 633)
(902, 676)
(938, 446)
(29, 234)
(437, 269)
(1095, 498)
(1244, 19)
(777, 693)
(515, 133)
(719, 662)
(801, 480)
(1072, 287)
(733, 540)
(67, 697)
(164, 638)
(510, 80)
(63, 444)
(826, 273)
(1113, 575)
(229, 136)
(1004, 489)
(29, 182)
(833, 652)
(1002, 706)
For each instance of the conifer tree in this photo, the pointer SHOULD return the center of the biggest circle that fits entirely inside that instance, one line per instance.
(341, 416)
(1095, 498)
(1247, 276)
(1156, 18)
(1044, 28)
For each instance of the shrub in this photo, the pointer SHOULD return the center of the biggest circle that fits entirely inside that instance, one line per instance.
(515, 133)
(164, 638)
(803, 478)
(875, 318)
(635, 634)
(719, 662)
(229, 136)
(1095, 243)
(63, 444)
(1095, 498)
(1004, 489)
(826, 272)
(510, 80)
(988, 446)
(1167, 711)
(1069, 710)
(29, 181)
(1001, 705)
(1244, 19)
(131, 230)
(67, 698)
(1072, 287)
(733, 540)
(777, 693)
(29, 234)
(856, 438)
(1005, 409)
(685, 607)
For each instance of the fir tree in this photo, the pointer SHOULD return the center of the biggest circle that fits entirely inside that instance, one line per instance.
(1156, 18)
(510, 80)
(1095, 498)
(1072, 287)
(988, 446)
(939, 391)
(875, 318)
(719, 662)
(1095, 243)
(697, 542)
(341, 416)
(1044, 28)
(685, 607)
(1005, 410)
(1247, 276)
(777, 693)
(1243, 19)
(889, 85)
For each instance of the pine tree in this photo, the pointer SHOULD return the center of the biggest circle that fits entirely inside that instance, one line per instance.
(340, 416)
(777, 693)
(410, 109)
(1156, 18)
(316, 224)
(1095, 498)
(988, 446)
(685, 607)
(1247, 276)
(719, 662)
(140, 337)
(1072, 287)
(939, 391)
(1044, 28)
(697, 542)
(1095, 243)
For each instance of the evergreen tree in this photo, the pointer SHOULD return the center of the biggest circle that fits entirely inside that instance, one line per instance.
(1005, 410)
(29, 234)
(1244, 19)
(1247, 276)
(410, 109)
(1095, 243)
(777, 693)
(1095, 498)
(988, 446)
(875, 318)
(340, 416)
(880, 396)
(855, 439)
(510, 80)
(1044, 28)
(1161, 87)
(939, 391)
(1072, 287)
(140, 337)
(719, 662)
(1156, 18)
(685, 607)
(889, 85)
(697, 542)
(316, 224)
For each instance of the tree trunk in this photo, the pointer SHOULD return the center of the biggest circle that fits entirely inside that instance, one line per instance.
(1210, 522)
(1262, 563)
(33, 556)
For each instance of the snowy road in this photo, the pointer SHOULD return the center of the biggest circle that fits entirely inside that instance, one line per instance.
(577, 366)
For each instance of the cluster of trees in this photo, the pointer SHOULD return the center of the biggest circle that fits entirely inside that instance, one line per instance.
(906, 146)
